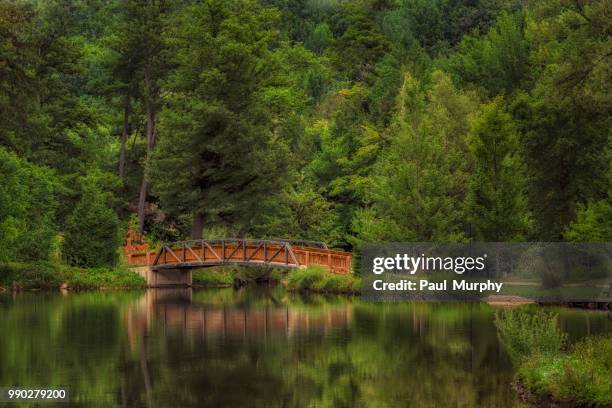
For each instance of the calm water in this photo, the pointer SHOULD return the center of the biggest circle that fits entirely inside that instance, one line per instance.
(259, 348)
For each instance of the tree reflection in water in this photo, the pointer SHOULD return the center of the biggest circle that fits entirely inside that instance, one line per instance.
(259, 347)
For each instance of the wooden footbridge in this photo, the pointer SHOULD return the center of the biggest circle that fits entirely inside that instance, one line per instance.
(172, 263)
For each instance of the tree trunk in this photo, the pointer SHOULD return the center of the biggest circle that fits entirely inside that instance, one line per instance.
(197, 226)
(124, 136)
(151, 94)
(142, 203)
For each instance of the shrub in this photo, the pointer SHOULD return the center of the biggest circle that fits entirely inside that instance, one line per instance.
(534, 341)
(307, 278)
(49, 274)
(319, 279)
(213, 277)
(115, 277)
(31, 275)
(525, 332)
(581, 377)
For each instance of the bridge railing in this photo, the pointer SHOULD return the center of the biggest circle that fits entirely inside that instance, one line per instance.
(218, 252)
(339, 262)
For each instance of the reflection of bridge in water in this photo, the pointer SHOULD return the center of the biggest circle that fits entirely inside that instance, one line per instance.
(173, 309)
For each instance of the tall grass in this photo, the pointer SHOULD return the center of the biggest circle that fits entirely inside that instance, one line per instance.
(213, 277)
(524, 332)
(581, 377)
(51, 274)
(318, 279)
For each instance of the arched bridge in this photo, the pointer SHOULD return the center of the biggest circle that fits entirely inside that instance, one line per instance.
(168, 264)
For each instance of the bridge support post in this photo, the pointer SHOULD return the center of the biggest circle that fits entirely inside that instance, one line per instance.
(166, 277)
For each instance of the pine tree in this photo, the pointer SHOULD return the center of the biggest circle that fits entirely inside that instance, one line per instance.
(496, 204)
(28, 203)
(565, 119)
(218, 154)
(91, 235)
(415, 189)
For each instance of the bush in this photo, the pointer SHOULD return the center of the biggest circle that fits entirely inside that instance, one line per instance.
(525, 332)
(49, 274)
(307, 278)
(116, 277)
(318, 279)
(581, 377)
(534, 341)
(30, 275)
(213, 277)
(593, 223)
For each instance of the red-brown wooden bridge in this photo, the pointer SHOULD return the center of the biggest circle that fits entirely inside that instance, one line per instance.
(172, 263)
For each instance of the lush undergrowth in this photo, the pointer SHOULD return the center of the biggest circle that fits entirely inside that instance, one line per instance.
(50, 275)
(546, 370)
(527, 331)
(318, 279)
(581, 376)
(236, 275)
(213, 277)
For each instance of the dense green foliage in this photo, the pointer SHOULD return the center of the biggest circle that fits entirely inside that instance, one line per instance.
(235, 275)
(92, 216)
(219, 277)
(581, 376)
(537, 346)
(340, 121)
(526, 332)
(317, 279)
(28, 204)
(52, 275)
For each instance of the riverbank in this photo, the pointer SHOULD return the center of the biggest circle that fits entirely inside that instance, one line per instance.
(217, 278)
(312, 279)
(580, 377)
(319, 280)
(49, 275)
(550, 372)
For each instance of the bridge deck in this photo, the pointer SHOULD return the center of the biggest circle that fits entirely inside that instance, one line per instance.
(207, 253)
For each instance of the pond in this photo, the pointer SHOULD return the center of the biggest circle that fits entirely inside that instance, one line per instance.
(259, 347)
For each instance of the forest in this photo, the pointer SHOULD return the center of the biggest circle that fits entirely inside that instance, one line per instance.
(343, 121)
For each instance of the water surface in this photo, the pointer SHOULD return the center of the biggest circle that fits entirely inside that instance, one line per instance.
(259, 348)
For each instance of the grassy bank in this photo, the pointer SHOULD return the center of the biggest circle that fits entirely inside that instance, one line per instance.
(225, 276)
(313, 279)
(41, 275)
(213, 277)
(318, 279)
(580, 376)
(548, 371)
(37, 275)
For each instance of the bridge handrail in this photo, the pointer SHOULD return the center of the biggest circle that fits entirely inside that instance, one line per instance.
(239, 241)
(231, 240)
(296, 242)
(306, 242)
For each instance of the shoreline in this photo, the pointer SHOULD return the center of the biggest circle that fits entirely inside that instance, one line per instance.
(543, 401)
(493, 300)
(43, 276)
